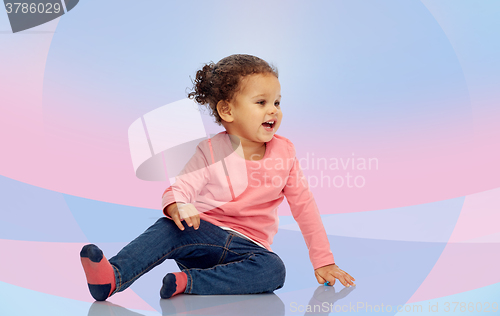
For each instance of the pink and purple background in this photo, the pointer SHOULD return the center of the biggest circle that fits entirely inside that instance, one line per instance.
(413, 84)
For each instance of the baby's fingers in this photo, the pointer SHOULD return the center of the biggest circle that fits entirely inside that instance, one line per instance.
(349, 278)
(177, 220)
(191, 215)
(346, 280)
(330, 279)
(320, 279)
(188, 221)
(196, 221)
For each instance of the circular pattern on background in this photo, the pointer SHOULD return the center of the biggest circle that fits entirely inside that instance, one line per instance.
(383, 80)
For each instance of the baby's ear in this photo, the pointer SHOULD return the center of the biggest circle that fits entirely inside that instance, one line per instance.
(224, 111)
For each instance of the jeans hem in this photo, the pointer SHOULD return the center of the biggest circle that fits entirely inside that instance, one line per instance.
(118, 279)
(189, 284)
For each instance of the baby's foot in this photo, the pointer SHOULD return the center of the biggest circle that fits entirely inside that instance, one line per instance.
(173, 284)
(99, 272)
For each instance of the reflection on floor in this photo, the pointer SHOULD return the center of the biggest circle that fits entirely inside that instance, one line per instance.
(321, 302)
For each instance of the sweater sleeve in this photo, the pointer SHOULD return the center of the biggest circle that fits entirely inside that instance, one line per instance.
(306, 214)
(189, 182)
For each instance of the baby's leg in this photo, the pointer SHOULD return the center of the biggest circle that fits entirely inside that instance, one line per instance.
(246, 269)
(163, 240)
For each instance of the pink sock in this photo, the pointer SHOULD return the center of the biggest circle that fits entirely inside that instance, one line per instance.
(99, 272)
(173, 284)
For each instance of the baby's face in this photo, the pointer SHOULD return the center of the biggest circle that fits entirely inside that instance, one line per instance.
(257, 102)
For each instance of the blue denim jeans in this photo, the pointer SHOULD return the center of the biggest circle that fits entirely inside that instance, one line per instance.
(215, 261)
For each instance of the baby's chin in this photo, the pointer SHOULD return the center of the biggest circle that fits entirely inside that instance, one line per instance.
(268, 138)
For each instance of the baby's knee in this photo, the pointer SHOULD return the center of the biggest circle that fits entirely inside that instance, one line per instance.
(282, 273)
(163, 221)
(277, 271)
(166, 224)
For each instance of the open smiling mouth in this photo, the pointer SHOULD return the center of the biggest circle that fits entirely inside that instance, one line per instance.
(269, 126)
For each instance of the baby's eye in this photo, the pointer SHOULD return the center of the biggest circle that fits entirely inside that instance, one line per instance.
(277, 103)
(261, 102)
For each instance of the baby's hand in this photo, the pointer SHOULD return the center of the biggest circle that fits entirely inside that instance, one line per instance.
(331, 272)
(187, 212)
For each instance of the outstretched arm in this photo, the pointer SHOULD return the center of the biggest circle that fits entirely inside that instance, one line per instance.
(306, 214)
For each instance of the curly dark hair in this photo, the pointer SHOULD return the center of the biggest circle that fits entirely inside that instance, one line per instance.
(215, 82)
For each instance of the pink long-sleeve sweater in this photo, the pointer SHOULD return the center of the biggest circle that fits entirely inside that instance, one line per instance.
(244, 195)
